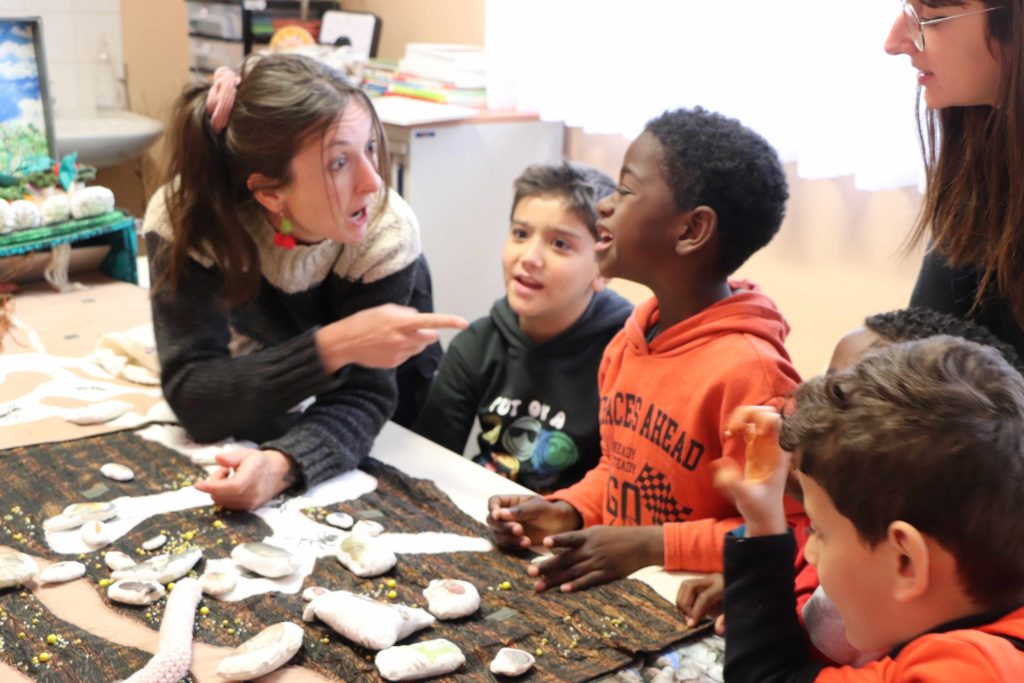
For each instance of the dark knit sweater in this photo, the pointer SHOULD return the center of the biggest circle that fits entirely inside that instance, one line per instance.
(237, 372)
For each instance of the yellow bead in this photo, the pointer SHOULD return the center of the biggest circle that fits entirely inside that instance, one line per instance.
(44, 656)
(392, 583)
(539, 652)
(505, 585)
(325, 640)
(51, 639)
(392, 595)
(170, 586)
(217, 524)
(231, 631)
(204, 610)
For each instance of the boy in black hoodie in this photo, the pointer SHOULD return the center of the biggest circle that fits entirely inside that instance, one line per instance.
(528, 372)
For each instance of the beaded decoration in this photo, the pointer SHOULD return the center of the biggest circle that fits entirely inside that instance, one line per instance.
(283, 237)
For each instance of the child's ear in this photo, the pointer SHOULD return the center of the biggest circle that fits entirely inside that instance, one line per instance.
(599, 284)
(911, 561)
(267, 191)
(697, 227)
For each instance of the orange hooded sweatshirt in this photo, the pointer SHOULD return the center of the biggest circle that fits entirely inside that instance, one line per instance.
(664, 407)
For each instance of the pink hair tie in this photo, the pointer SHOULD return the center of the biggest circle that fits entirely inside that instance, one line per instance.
(221, 98)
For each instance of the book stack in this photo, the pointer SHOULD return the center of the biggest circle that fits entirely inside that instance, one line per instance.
(444, 73)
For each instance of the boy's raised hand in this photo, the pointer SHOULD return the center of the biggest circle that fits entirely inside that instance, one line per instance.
(758, 490)
(519, 521)
(597, 555)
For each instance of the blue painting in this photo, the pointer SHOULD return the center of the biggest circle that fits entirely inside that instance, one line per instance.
(23, 111)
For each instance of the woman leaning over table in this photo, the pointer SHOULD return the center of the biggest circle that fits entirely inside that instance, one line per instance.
(282, 266)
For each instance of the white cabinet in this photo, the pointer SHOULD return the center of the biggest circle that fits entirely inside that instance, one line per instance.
(457, 176)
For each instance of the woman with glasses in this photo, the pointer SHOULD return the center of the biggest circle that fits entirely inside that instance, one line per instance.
(969, 55)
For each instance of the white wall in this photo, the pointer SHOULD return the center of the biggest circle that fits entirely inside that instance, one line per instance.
(71, 35)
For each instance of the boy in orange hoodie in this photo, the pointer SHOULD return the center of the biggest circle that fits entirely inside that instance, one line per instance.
(698, 194)
(912, 469)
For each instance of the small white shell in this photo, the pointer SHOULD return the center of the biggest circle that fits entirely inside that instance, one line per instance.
(511, 662)
(368, 527)
(218, 583)
(117, 472)
(95, 534)
(59, 572)
(116, 560)
(341, 520)
(267, 651)
(154, 543)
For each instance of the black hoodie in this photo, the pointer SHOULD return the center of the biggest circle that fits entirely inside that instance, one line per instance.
(537, 403)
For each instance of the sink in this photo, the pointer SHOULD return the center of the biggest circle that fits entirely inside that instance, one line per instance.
(105, 139)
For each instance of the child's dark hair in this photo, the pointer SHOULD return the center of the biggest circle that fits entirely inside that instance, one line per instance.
(282, 101)
(579, 186)
(715, 161)
(908, 324)
(930, 432)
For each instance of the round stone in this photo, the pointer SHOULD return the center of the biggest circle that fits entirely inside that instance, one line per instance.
(113, 470)
(368, 527)
(95, 534)
(132, 592)
(218, 583)
(511, 662)
(116, 560)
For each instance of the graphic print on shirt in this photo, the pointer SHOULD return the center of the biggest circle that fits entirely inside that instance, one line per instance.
(529, 448)
(650, 489)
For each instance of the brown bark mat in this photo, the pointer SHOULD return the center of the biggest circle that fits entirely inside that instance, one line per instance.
(579, 636)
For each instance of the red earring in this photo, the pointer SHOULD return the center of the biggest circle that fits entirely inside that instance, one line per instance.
(283, 235)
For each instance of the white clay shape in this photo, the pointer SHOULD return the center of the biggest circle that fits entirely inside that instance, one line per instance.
(451, 598)
(511, 662)
(265, 559)
(425, 659)
(162, 568)
(97, 413)
(267, 651)
(77, 514)
(218, 583)
(154, 543)
(95, 534)
(365, 621)
(313, 592)
(368, 527)
(62, 572)
(15, 568)
(133, 592)
(364, 556)
(116, 560)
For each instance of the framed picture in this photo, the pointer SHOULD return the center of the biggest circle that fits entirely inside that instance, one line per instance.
(26, 121)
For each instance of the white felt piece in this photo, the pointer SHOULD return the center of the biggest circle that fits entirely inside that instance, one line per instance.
(155, 542)
(451, 598)
(162, 568)
(364, 556)
(267, 651)
(368, 527)
(420, 660)
(117, 472)
(92, 201)
(116, 560)
(61, 572)
(133, 592)
(77, 514)
(15, 568)
(97, 413)
(25, 214)
(511, 662)
(95, 534)
(6, 219)
(265, 559)
(367, 622)
(56, 209)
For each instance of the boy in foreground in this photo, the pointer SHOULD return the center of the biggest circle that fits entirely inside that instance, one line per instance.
(912, 469)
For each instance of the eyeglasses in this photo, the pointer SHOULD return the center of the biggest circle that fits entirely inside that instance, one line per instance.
(916, 26)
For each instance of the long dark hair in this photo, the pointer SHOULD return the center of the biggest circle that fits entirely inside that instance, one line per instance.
(974, 160)
(282, 101)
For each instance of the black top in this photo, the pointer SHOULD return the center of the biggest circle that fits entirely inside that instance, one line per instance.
(943, 288)
(537, 404)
